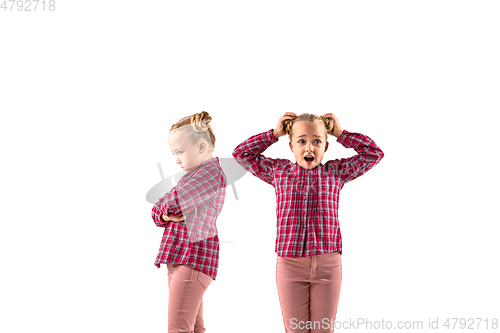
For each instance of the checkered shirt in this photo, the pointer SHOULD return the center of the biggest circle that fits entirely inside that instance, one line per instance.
(194, 242)
(307, 200)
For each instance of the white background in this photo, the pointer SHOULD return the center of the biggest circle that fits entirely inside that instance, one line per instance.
(89, 91)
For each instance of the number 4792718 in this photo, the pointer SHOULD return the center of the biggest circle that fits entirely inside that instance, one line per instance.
(28, 5)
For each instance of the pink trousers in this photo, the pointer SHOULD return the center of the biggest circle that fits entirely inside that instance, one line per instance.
(186, 287)
(309, 291)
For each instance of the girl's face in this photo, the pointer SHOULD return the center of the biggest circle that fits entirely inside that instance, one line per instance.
(308, 143)
(186, 154)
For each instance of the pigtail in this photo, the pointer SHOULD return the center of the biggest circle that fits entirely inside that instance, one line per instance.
(287, 126)
(329, 124)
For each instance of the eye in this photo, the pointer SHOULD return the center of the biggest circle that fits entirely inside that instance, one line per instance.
(317, 140)
(301, 141)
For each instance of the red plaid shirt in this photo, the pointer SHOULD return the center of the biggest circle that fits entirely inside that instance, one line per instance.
(307, 200)
(194, 242)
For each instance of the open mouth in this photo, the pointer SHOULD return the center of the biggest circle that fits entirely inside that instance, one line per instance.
(309, 158)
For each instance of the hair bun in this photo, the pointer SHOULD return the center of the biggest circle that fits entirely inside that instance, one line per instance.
(200, 121)
(287, 125)
(329, 123)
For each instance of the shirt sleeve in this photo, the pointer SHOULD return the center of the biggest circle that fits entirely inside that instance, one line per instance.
(248, 155)
(368, 155)
(156, 215)
(194, 191)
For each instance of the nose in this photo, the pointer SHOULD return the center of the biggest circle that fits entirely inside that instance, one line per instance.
(309, 147)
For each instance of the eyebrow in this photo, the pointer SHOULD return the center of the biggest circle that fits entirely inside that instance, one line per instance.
(319, 136)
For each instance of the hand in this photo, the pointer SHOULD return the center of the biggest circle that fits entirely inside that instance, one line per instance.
(337, 130)
(173, 218)
(279, 130)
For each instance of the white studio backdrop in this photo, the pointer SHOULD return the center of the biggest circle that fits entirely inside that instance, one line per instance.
(90, 90)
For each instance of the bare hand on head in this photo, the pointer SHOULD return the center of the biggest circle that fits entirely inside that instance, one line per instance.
(337, 130)
(173, 218)
(279, 130)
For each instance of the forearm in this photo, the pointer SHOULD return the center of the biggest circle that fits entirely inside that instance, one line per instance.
(338, 133)
(157, 215)
(369, 154)
(254, 145)
(249, 155)
(362, 144)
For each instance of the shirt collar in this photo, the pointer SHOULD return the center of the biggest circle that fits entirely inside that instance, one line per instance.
(298, 167)
(212, 160)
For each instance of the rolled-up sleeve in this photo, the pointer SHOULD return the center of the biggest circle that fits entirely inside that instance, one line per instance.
(249, 155)
(156, 215)
(369, 154)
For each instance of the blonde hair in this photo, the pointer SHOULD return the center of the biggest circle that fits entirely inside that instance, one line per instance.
(199, 128)
(328, 122)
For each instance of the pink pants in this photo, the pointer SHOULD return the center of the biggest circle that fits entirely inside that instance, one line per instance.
(309, 290)
(186, 287)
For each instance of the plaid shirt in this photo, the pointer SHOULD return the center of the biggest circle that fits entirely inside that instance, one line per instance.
(194, 242)
(307, 200)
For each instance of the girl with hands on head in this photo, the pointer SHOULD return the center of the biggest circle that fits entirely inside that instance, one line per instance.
(308, 238)
(188, 214)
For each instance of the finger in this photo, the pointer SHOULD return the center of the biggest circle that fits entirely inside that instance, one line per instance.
(287, 117)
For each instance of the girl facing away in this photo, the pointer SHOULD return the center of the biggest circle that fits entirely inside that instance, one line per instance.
(188, 214)
(308, 240)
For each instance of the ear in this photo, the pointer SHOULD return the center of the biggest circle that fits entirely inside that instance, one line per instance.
(326, 146)
(291, 146)
(202, 146)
